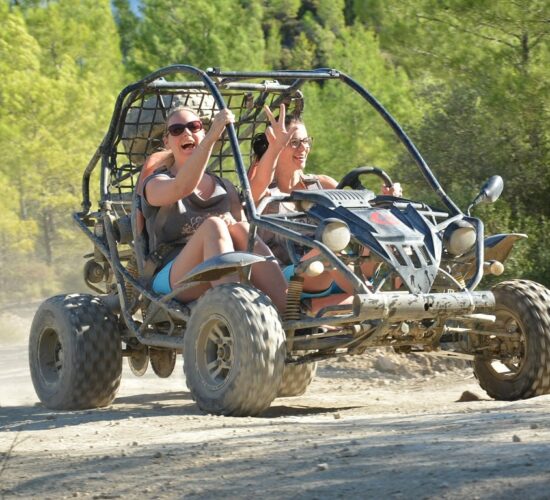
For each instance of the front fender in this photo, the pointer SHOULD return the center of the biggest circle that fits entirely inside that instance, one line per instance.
(499, 246)
(219, 266)
(496, 248)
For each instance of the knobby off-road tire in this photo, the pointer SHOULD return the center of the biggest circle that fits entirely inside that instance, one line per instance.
(296, 379)
(138, 361)
(522, 306)
(75, 353)
(234, 351)
(162, 361)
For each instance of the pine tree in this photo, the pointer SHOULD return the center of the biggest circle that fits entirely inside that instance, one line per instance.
(202, 33)
(64, 63)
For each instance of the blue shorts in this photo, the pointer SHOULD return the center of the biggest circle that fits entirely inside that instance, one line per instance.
(161, 283)
(288, 272)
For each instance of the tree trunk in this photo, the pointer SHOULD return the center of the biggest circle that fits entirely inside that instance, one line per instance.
(48, 231)
(524, 50)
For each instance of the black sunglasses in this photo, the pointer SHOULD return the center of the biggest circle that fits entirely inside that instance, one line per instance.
(178, 128)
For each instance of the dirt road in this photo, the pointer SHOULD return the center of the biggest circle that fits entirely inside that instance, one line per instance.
(378, 426)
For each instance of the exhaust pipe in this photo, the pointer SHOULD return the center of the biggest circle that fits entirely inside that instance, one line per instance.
(405, 306)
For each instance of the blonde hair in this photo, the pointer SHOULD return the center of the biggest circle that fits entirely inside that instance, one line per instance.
(169, 158)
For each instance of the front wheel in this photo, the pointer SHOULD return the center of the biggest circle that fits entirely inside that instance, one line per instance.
(517, 363)
(75, 354)
(234, 351)
(296, 379)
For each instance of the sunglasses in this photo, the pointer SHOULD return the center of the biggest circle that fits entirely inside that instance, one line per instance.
(306, 142)
(178, 128)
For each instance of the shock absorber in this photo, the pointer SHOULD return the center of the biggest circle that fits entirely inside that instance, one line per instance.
(292, 313)
(295, 286)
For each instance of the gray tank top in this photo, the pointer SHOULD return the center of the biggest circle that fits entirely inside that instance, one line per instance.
(275, 242)
(173, 225)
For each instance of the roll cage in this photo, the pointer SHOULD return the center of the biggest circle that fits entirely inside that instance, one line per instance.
(135, 131)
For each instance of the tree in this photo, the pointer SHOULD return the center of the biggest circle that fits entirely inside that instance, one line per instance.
(348, 132)
(202, 33)
(127, 23)
(55, 110)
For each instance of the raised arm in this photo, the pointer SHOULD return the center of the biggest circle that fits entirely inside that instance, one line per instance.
(262, 172)
(163, 190)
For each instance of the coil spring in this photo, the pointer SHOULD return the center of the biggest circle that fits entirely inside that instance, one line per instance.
(131, 291)
(295, 286)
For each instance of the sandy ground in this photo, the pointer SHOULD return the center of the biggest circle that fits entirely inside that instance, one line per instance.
(378, 426)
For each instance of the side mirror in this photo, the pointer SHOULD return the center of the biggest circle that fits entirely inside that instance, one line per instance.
(489, 192)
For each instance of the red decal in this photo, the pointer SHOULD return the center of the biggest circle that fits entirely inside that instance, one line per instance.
(383, 218)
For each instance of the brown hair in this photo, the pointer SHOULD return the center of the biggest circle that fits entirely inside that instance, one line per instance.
(292, 118)
(260, 143)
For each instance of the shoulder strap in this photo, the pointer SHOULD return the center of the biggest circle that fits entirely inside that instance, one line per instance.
(141, 238)
(151, 165)
(138, 232)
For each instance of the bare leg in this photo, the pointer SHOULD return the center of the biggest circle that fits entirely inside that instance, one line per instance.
(266, 276)
(339, 299)
(324, 280)
(211, 238)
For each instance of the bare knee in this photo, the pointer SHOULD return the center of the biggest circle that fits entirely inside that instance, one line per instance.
(239, 233)
(239, 230)
(215, 226)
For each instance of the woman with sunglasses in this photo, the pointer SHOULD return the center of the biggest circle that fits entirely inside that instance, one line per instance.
(281, 156)
(192, 215)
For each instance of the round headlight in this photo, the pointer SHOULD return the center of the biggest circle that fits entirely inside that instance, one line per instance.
(335, 234)
(459, 237)
(305, 205)
(315, 268)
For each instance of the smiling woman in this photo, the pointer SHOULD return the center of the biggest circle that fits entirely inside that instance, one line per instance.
(192, 215)
(281, 157)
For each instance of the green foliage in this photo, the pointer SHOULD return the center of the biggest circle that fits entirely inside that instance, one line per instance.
(198, 32)
(482, 67)
(126, 22)
(63, 61)
(347, 132)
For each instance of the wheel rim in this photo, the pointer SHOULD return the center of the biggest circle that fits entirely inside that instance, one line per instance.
(511, 366)
(215, 352)
(50, 356)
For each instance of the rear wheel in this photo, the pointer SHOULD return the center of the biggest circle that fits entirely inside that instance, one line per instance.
(163, 361)
(75, 353)
(522, 369)
(234, 351)
(138, 359)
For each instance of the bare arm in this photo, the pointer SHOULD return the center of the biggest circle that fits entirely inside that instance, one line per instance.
(153, 162)
(394, 190)
(162, 190)
(261, 173)
(327, 182)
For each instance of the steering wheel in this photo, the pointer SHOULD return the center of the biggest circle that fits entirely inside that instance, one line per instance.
(351, 179)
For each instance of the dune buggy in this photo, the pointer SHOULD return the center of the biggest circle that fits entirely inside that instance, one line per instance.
(238, 353)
